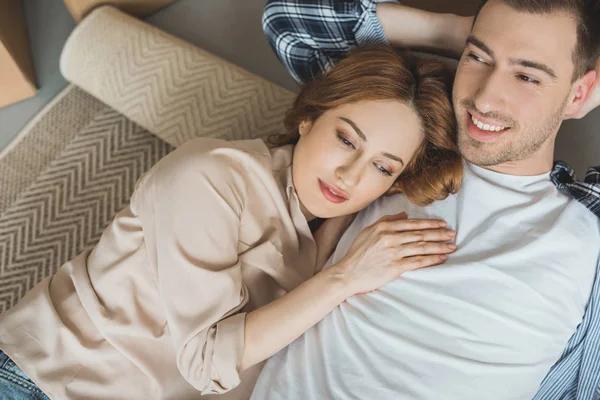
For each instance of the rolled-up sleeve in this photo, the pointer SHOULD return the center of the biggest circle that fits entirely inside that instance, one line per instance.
(309, 36)
(190, 205)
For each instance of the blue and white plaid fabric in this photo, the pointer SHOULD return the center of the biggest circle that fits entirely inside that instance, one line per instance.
(309, 36)
(587, 192)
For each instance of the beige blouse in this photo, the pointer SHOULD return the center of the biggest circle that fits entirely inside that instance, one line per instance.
(157, 309)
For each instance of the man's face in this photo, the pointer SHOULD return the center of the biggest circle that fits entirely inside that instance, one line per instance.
(513, 84)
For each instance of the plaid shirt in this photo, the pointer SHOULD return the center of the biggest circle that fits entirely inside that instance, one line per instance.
(309, 36)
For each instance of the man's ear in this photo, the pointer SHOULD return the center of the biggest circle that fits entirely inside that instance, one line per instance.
(304, 127)
(582, 88)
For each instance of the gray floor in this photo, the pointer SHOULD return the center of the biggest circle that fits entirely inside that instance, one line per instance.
(230, 29)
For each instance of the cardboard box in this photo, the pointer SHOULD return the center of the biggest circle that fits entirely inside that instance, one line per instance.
(17, 77)
(139, 8)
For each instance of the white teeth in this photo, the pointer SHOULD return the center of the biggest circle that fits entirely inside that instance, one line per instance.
(336, 193)
(486, 127)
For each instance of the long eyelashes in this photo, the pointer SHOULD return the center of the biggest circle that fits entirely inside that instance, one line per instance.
(347, 143)
(342, 138)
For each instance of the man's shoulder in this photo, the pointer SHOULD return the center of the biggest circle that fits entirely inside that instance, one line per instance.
(385, 205)
(578, 219)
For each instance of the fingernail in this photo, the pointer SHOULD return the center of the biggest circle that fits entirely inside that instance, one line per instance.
(443, 224)
(443, 258)
(450, 233)
(451, 246)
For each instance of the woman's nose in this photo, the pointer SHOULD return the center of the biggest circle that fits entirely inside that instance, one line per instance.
(350, 173)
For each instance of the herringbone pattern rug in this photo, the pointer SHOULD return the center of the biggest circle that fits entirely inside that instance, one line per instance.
(62, 184)
(76, 165)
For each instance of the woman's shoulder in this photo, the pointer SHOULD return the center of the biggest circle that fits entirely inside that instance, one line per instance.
(217, 163)
(210, 154)
(215, 148)
(209, 166)
(252, 155)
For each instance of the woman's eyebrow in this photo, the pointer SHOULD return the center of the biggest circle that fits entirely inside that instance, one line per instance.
(364, 138)
(393, 157)
(356, 128)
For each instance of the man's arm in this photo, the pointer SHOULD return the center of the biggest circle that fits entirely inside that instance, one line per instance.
(309, 36)
(444, 34)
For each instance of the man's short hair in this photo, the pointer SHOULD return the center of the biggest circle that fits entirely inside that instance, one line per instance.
(587, 15)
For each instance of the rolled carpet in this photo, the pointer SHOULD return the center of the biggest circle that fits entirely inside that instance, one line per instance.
(166, 85)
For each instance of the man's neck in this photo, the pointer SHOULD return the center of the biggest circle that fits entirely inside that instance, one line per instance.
(522, 168)
(539, 163)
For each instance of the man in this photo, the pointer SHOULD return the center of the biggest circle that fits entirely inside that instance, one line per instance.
(493, 320)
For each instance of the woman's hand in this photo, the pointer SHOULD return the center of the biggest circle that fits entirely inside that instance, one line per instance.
(378, 255)
(390, 247)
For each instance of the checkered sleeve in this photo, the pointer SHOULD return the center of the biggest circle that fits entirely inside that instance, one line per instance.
(586, 192)
(309, 36)
(576, 375)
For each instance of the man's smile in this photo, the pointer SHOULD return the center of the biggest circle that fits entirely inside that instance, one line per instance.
(484, 130)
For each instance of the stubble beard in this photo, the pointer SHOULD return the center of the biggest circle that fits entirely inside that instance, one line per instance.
(517, 148)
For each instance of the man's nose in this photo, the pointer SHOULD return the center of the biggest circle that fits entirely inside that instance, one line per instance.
(489, 96)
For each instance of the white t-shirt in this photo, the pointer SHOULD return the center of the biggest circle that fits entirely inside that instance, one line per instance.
(488, 324)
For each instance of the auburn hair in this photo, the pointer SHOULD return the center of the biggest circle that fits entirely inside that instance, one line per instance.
(384, 73)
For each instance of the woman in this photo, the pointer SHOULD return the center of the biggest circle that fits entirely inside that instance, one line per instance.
(213, 266)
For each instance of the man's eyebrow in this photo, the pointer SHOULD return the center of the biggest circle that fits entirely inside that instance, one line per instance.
(535, 65)
(478, 43)
(521, 61)
(363, 137)
(356, 128)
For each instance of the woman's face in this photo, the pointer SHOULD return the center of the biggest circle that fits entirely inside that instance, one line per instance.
(352, 155)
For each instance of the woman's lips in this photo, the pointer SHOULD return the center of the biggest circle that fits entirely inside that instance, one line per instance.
(332, 193)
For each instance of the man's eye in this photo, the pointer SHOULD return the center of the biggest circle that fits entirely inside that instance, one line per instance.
(476, 58)
(528, 79)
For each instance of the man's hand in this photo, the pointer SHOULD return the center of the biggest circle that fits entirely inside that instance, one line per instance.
(594, 100)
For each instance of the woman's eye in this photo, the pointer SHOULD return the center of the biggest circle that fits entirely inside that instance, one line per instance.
(528, 79)
(383, 170)
(345, 141)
